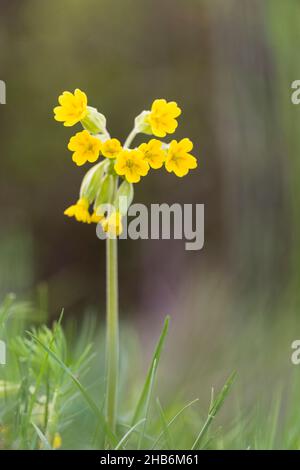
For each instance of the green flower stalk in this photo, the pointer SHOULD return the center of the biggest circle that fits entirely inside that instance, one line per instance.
(107, 181)
(112, 331)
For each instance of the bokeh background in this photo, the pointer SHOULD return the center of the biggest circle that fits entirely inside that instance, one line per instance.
(230, 65)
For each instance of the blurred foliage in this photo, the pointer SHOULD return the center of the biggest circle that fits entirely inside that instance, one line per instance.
(53, 383)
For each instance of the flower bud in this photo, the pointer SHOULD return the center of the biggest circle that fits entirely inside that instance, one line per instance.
(105, 193)
(94, 122)
(91, 181)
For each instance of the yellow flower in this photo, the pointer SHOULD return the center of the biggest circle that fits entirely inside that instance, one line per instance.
(86, 148)
(113, 225)
(162, 117)
(72, 109)
(153, 153)
(95, 218)
(80, 211)
(111, 148)
(57, 441)
(132, 165)
(179, 160)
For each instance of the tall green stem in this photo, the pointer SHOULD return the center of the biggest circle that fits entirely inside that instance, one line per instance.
(112, 319)
(112, 330)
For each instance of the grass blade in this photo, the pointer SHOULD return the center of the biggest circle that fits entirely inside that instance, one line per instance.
(147, 404)
(172, 421)
(152, 371)
(128, 434)
(42, 437)
(166, 431)
(215, 406)
(274, 419)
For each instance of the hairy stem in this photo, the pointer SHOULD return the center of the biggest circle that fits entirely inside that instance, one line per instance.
(112, 329)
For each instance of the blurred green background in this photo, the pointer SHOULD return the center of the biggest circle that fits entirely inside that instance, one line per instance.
(229, 64)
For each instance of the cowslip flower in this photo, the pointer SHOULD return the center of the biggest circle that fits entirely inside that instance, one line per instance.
(162, 117)
(80, 211)
(113, 224)
(132, 165)
(100, 184)
(72, 109)
(111, 148)
(101, 187)
(86, 148)
(178, 159)
(153, 153)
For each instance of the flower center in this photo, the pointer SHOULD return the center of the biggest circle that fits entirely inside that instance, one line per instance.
(130, 164)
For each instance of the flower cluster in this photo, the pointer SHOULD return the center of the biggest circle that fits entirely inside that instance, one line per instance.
(100, 184)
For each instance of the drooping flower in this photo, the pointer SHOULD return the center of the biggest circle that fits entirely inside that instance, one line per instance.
(96, 218)
(72, 109)
(132, 165)
(153, 153)
(113, 224)
(111, 148)
(178, 159)
(86, 148)
(80, 211)
(162, 117)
